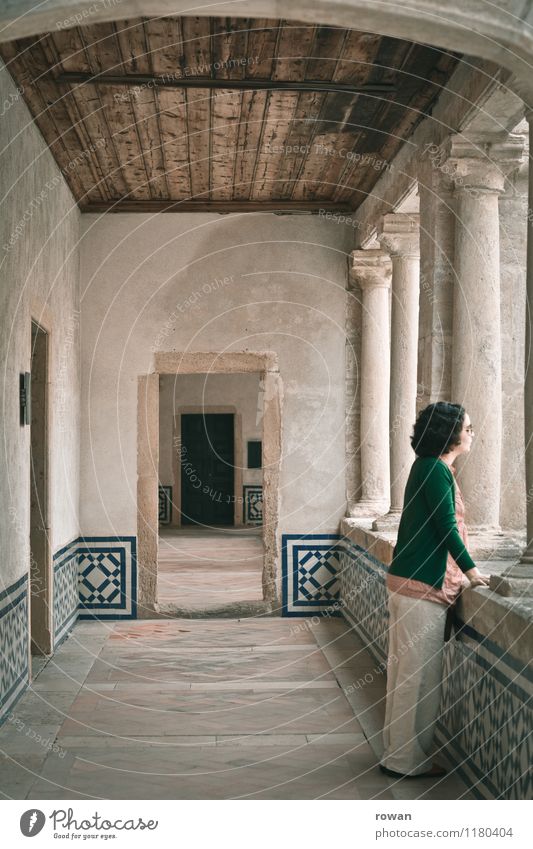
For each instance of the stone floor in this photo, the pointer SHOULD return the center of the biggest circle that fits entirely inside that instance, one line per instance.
(203, 568)
(204, 709)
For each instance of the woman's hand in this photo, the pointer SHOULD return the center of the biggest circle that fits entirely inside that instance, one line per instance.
(476, 578)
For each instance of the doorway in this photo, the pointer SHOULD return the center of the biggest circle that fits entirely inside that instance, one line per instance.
(40, 565)
(207, 449)
(156, 452)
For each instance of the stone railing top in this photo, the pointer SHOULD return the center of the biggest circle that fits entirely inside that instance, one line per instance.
(506, 621)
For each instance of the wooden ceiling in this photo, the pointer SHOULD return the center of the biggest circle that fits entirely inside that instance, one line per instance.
(311, 118)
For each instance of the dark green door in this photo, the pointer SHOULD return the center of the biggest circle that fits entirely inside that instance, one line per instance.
(207, 469)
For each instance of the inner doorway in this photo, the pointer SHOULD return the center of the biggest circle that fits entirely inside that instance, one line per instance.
(210, 552)
(40, 566)
(207, 469)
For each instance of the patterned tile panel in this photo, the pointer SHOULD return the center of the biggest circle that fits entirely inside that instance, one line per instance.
(364, 596)
(310, 564)
(14, 644)
(487, 717)
(487, 698)
(107, 570)
(253, 504)
(165, 505)
(66, 597)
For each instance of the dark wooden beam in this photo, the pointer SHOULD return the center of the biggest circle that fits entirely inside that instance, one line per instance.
(171, 81)
(222, 207)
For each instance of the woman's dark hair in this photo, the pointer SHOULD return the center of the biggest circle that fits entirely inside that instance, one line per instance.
(437, 429)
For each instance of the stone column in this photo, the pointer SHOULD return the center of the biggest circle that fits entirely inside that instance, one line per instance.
(399, 235)
(479, 176)
(518, 579)
(437, 250)
(371, 270)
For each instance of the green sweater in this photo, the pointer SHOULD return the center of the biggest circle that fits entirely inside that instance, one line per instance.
(428, 527)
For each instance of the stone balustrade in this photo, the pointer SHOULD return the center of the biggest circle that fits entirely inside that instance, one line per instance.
(488, 676)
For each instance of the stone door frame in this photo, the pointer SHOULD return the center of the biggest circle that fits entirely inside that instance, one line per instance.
(264, 363)
(40, 576)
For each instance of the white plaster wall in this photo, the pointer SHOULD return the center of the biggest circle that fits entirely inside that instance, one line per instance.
(39, 268)
(187, 390)
(196, 282)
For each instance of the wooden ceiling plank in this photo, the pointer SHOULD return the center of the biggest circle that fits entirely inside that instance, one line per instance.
(363, 170)
(359, 52)
(197, 47)
(397, 118)
(229, 46)
(262, 40)
(199, 132)
(167, 55)
(293, 48)
(84, 106)
(198, 62)
(391, 55)
(281, 108)
(28, 65)
(351, 155)
(323, 165)
(326, 45)
(135, 50)
(354, 65)
(251, 126)
(173, 123)
(165, 38)
(321, 65)
(104, 55)
(326, 49)
(224, 141)
(299, 141)
(415, 109)
(229, 42)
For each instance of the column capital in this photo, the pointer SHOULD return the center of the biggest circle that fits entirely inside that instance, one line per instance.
(484, 163)
(371, 269)
(399, 234)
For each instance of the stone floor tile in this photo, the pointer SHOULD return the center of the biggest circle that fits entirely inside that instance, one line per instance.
(214, 709)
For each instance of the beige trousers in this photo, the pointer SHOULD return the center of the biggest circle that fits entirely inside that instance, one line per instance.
(414, 677)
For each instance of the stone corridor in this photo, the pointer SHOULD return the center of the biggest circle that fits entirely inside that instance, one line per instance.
(205, 569)
(205, 709)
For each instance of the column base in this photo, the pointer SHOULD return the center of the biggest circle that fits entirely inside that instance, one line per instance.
(388, 523)
(367, 509)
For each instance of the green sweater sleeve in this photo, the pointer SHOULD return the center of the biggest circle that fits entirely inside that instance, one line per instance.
(439, 498)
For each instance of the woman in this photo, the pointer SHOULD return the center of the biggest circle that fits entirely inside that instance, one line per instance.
(427, 572)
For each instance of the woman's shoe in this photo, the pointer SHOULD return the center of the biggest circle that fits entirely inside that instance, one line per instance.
(435, 772)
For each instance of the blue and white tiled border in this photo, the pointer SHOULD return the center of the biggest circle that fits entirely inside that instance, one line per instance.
(487, 712)
(66, 596)
(107, 572)
(253, 504)
(94, 577)
(487, 716)
(165, 504)
(310, 565)
(14, 644)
